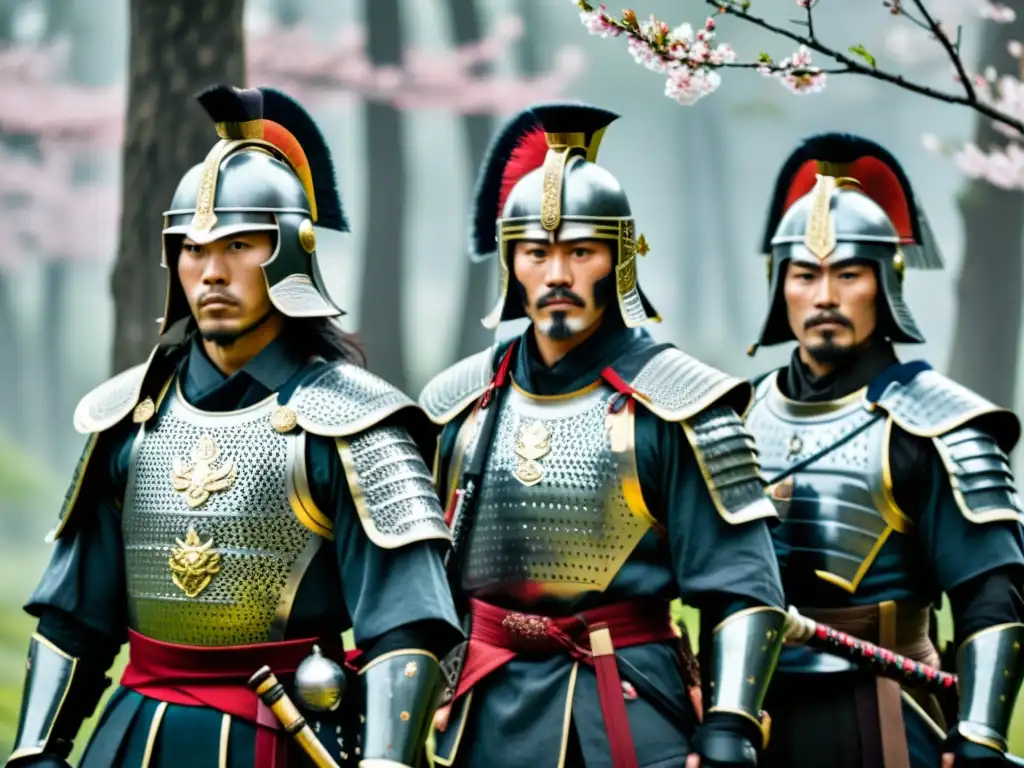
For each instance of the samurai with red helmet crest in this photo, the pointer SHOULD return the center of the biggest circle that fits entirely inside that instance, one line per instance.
(246, 496)
(591, 476)
(892, 481)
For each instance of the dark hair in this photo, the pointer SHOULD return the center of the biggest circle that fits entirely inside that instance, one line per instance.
(324, 337)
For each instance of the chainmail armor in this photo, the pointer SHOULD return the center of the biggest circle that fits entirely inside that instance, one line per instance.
(251, 525)
(396, 499)
(570, 532)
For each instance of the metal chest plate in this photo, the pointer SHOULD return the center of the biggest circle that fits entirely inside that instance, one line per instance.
(837, 510)
(553, 519)
(213, 549)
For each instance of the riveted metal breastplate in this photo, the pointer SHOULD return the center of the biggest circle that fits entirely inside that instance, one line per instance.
(837, 509)
(552, 517)
(214, 547)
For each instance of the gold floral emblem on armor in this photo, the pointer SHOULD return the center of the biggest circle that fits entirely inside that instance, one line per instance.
(194, 563)
(199, 479)
(533, 443)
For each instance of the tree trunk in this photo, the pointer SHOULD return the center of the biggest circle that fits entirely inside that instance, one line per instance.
(177, 48)
(480, 278)
(13, 414)
(381, 310)
(986, 333)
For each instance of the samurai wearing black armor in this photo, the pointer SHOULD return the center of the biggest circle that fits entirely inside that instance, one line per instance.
(223, 523)
(587, 493)
(892, 481)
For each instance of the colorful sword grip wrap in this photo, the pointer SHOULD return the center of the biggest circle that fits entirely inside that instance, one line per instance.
(881, 660)
(401, 691)
(991, 668)
(273, 696)
(57, 697)
(745, 651)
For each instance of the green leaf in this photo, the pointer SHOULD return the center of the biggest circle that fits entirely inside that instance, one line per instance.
(764, 58)
(860, 50)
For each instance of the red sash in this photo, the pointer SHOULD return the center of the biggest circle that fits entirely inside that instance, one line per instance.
(499, 635)
(216, 677)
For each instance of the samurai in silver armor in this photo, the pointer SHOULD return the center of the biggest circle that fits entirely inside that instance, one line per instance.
(246, 496)
(592, 476)
(892, 481)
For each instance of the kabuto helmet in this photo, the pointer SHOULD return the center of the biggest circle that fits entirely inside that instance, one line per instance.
(270, 171)
(839, 198)
(540, 181)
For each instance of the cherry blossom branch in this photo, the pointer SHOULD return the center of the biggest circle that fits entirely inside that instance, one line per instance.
(653, 45)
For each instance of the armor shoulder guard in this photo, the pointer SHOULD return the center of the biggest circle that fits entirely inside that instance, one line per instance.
(111, 401)
(392, 488)
(675, 387)
(450, 392)
(971, 436)
(727, 456)
(932, 405)
(344, 399)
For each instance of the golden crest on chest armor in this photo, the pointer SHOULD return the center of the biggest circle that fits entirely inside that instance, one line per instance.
(532, 444)
(199, 479)
(194, 563)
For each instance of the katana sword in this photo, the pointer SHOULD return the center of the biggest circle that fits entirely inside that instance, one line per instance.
(801, 630)
(272, 693)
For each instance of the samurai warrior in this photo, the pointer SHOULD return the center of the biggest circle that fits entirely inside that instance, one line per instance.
(591, 477)
(892, 481)
(246, 496)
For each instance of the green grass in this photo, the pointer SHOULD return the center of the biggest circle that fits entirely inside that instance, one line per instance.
(16, 627)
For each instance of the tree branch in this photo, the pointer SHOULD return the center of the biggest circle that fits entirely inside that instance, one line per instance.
(951, 50)
(855, 67)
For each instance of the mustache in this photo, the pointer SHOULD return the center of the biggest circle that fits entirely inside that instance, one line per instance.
(560, 294)
(827, 317)
(222, 295)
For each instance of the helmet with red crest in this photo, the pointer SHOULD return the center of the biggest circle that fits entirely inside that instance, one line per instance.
(540, 181)
(271, 170)
(841, 197)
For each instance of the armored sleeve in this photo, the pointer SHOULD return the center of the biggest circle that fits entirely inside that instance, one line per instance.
(972, 438)
(80, 606)
(706, 403)
(395, 593)
(725, 568)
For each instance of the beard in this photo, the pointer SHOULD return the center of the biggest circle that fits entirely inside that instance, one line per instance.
(560, 326)
(225, 338)
(828, 352)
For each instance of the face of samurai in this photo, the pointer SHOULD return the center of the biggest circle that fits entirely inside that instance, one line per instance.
(831, 309)
(564, 285)
(225, 285)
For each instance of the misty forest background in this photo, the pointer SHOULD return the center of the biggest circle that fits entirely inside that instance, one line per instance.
(97, 125)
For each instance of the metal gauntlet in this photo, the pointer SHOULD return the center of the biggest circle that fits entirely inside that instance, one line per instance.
(401, 690)
(56, 699)
(745, 651)
(990, 665)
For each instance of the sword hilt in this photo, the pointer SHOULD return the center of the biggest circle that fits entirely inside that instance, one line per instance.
(272, 694)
